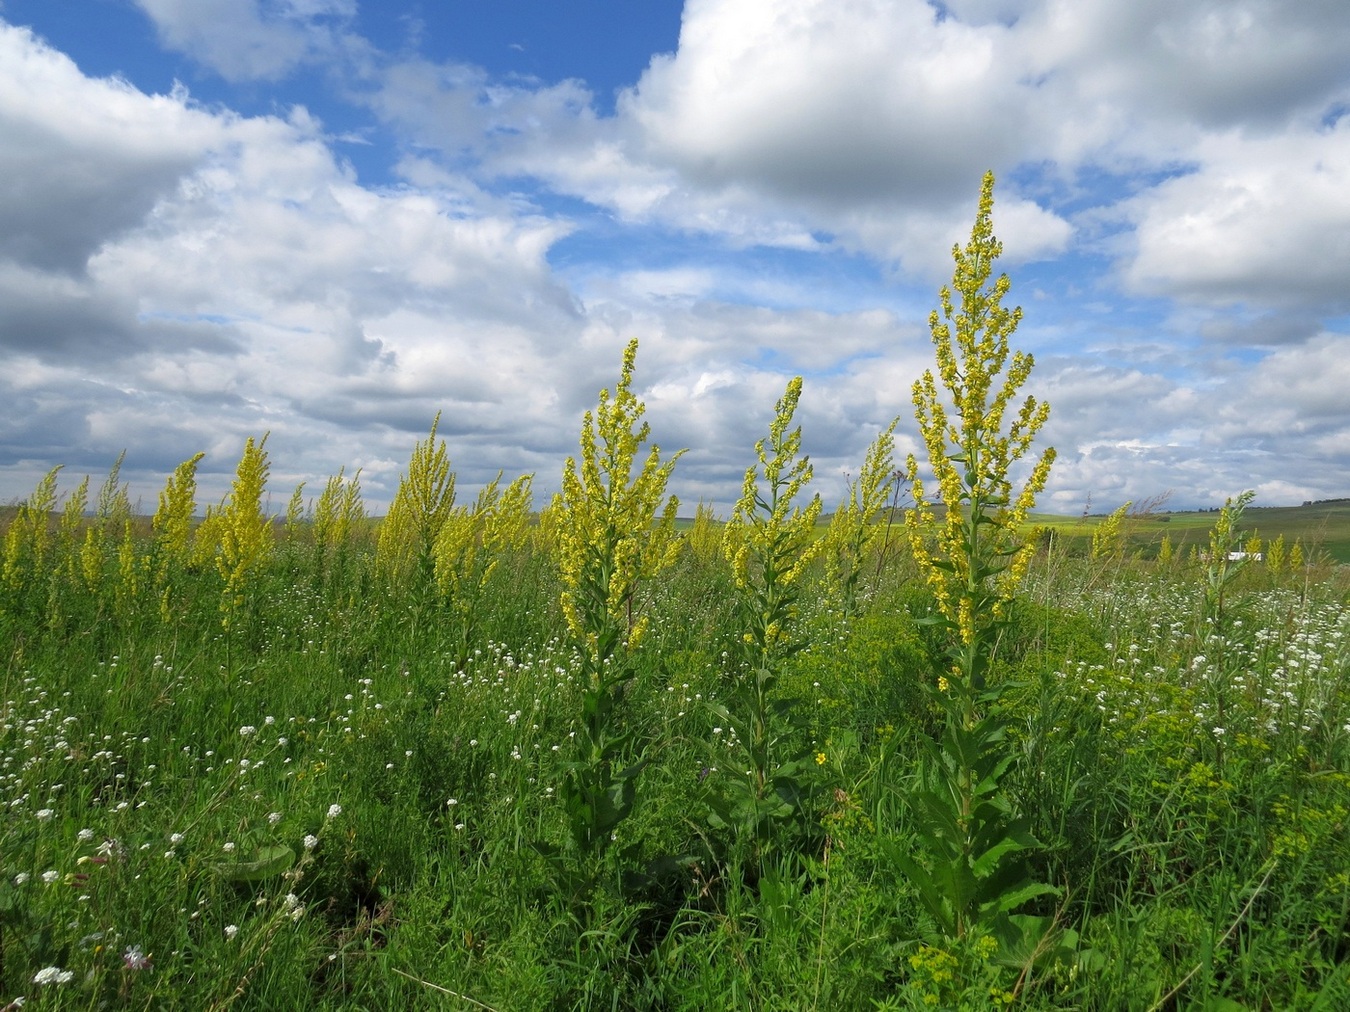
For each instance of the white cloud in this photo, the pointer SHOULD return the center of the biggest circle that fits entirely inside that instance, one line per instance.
(82, 159)
(830, 101)
(797, 124)
(1264, 220)
(1211, 64)
(251, 39)
(174, 278)
(1277, 424)
(256, 287)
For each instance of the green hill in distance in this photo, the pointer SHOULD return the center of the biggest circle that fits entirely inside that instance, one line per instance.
(1323, 528)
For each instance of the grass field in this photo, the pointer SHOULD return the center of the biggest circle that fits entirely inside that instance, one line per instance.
(1322, 528)
(341, 789)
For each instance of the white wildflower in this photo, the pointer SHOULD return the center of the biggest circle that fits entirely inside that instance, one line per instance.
(53, 975)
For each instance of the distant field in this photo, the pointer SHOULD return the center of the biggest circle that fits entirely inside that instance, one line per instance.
(1321, 527)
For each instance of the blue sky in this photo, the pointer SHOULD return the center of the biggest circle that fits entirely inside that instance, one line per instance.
(330, 219)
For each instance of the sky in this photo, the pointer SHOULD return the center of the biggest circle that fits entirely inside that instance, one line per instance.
(328, 220)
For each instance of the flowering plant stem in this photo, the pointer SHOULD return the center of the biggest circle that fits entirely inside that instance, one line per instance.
(972, 876)
(770, 541)
(609, 542)
(1224, 563)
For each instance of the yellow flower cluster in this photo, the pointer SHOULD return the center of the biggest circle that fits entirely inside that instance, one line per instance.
(774, 531)
(244, 530)
(172, 523)
(609, 538)
(975, 544)
(853, 529)
(422, 504)
(172, 528)
(1108, 537)
(72, 517)
(27, 540)
(338, 511)
(472, 541)
(704, 538)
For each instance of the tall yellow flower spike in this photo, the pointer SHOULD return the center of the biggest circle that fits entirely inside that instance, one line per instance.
(422, 504)
(338, 512)
(27, 540)
(854, 529)
(609, 537)
(245, 531)
(172, 523)
(776, 532)
(974, 555)
(172, 528)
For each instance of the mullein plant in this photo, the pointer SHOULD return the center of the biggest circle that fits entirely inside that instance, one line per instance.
(34, 567)
(28, 538)
(1224, 561)
(704, 539)
(68, 536)
(854, 531)
(970, 544)
(472, 543)
(405, 549)
(614, 531)
(114, 538)
(172, 530)
(244, 532)
(337, 520)
(65, 586)
(1108, 537)
(338, 513)
(770, 542)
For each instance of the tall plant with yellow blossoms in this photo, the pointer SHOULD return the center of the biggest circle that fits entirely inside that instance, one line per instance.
(405, 553)
(471, 544)
(971, 544)
(244, 531)
(770, 541)
(426, 494)
(615, 530)
(172, 528)
(854, 529)
(28, 536)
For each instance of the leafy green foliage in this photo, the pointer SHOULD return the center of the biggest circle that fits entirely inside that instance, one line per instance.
(610, 543)
(769, 543)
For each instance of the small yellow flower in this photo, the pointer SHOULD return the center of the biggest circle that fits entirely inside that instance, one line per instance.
(943, 684)
(820, 758)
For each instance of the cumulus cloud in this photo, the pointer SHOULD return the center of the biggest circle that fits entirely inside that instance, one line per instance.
(1263, 220)
(174, 278)
(251, 39)
(257, 286)
(831, 101)
(1208, 64)
(83, 160)
(805, 124)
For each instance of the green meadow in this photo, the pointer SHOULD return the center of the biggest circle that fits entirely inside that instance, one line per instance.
(506, 755)
(1323, 528)
(349, 798)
